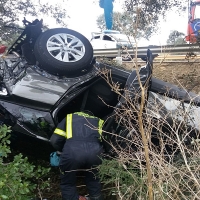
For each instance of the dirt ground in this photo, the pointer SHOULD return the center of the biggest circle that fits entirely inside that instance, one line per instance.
(185, 75)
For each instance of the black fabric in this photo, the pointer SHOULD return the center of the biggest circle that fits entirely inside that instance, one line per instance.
(81, 152)
(84, 128)
(56, 140)
(77, 156)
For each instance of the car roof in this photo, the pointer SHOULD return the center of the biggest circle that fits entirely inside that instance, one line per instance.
(111, 32)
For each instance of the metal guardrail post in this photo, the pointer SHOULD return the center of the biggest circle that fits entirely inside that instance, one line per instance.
(119, 53)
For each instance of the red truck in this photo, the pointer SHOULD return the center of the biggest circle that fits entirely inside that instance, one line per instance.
(193, 30)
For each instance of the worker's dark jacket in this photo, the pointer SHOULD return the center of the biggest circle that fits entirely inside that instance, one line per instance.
(77, 127)
(78, 137)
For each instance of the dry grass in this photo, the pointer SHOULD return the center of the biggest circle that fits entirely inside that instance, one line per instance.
(171, 147)
(185, 75)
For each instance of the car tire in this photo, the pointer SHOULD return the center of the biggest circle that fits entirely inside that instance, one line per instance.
(63, 52)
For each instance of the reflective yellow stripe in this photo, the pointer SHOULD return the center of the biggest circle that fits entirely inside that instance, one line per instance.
(89, 116)
(60, 132)
(69, 126)
(84, 114)
(100, 126)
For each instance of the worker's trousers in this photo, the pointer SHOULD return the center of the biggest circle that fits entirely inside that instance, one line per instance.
(80, 156)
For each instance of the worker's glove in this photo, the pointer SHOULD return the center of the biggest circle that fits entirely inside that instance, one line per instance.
(55, 159)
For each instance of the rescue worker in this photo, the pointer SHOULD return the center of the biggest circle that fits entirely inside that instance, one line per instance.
(78, 138)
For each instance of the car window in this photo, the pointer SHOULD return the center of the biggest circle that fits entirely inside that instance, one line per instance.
(97, 37)
(106, 37)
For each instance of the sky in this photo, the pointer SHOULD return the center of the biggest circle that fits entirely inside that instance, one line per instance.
(83, 15)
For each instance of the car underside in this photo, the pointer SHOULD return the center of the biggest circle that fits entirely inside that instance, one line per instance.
(40, 87)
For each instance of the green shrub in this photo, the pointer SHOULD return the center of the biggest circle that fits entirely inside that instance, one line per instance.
(127, 181)
(19, 179)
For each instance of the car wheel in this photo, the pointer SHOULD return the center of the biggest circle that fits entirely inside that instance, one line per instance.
(63, 52)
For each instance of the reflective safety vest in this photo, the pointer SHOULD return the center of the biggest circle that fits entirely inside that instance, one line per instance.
(80, 126)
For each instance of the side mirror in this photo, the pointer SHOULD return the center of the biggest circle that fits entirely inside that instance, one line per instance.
(2, 49)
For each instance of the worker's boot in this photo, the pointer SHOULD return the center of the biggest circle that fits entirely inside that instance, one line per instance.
(98, 197)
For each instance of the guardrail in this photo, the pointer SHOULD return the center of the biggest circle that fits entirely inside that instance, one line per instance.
(176, 57)
(141, 51)
(168, 58)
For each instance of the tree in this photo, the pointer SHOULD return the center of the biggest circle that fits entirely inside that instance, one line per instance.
(117, 16)
(123, 23)
(12, 10)
(141, 17)
(176, 37)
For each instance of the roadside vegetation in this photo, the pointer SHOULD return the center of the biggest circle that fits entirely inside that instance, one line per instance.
(168, 168)
(153, 159)
(12, 11)
(19, 178)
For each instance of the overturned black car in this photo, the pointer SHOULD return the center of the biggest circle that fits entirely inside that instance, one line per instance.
(46, 75)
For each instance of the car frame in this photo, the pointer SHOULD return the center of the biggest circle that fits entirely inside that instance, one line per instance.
(34, 100)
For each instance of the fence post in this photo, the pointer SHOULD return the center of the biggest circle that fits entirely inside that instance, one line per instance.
(119, 53)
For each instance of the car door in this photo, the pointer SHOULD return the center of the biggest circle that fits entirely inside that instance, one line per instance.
(171, 103)
(103, 41)
(108, 42)
(130, 95)
(97, 43)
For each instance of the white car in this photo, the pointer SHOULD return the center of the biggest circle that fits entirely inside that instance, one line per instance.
(110, 39)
